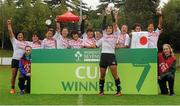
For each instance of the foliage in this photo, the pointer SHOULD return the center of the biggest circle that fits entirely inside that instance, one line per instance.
(171, 24)
(29, 16)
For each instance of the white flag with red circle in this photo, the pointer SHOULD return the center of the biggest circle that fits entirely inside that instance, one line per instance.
(139, 39)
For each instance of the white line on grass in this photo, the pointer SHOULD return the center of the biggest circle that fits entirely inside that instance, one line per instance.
(80, 99)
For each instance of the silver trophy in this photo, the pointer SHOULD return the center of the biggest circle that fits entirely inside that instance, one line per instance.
(111, 7)
(158, 11)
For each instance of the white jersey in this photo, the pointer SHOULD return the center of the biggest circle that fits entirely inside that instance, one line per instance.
(75, 43)
(153, 38)
(88, 42)
(35, 45)
(18, 48)
(62, 43)
(84, 35)
(123, 40)
(108, 43)
(49, 43)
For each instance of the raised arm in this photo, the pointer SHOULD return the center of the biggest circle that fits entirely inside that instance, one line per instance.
(160, 20)
(58, 27)
(82, 24)
(10, 31)
(58, 30)
(113, 18)
(115, 23)
(104, 22)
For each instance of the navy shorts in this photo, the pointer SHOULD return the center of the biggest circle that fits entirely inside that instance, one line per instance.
(14, 63)
(107, 59)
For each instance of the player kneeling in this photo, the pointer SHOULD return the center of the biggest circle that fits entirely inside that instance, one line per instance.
(25, 71)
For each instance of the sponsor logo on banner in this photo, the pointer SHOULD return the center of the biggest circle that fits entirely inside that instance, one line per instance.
(87, 56)
(78, 56)
(91, 56)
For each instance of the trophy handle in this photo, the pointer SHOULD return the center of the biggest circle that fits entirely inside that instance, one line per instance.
(158, 11)
(116, 11)
(107, 11)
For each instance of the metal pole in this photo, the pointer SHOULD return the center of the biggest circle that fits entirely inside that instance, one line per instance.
(80, 10)
(80, 13)
(3, 34)
(2, 46)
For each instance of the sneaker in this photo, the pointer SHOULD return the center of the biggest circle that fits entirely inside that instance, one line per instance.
(101, 93)
(173, 94)
(12, 91)
(118, 94)
(21, 92)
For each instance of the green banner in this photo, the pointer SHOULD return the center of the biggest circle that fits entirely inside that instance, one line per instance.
(76, 71)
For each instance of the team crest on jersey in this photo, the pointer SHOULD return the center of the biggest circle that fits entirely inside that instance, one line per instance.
(164, 67)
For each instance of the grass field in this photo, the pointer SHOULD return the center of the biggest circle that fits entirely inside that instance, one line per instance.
(5, 53)
(6, 98)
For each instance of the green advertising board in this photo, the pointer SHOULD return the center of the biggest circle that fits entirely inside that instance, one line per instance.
(76, 71)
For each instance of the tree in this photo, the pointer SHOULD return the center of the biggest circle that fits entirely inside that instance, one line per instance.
(41, 13)
(29, 16)
(140, 11)
(7, 11)
(26, 17)
(133, 11)
(171, 24)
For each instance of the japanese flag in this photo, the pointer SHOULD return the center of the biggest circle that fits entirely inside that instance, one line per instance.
(139, 39)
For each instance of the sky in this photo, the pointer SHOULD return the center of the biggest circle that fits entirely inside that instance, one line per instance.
(94, 3)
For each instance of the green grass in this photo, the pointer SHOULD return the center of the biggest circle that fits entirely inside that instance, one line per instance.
(5, 53)
(178, 57)
(6, 98)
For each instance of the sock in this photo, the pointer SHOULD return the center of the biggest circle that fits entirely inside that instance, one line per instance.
(101, 85)
(12, 87)
(117, 83)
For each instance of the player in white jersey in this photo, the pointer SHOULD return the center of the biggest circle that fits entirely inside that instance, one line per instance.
(75, 42)
(153, 36)
(137, 27)
(98, 35)
(36, 43)
(61, 37)
(108, 43)
(49, 42)
(90, 41)
(123, 39)
(88, 37)
(18, 50)
(85, 25)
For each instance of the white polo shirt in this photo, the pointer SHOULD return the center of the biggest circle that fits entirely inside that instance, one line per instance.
(35, 45)
(123, 40)
(153, 38)
(75, 43)
(49, 43)
(108, 43)
(62, 43)
(18, 48)
(88, 42)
